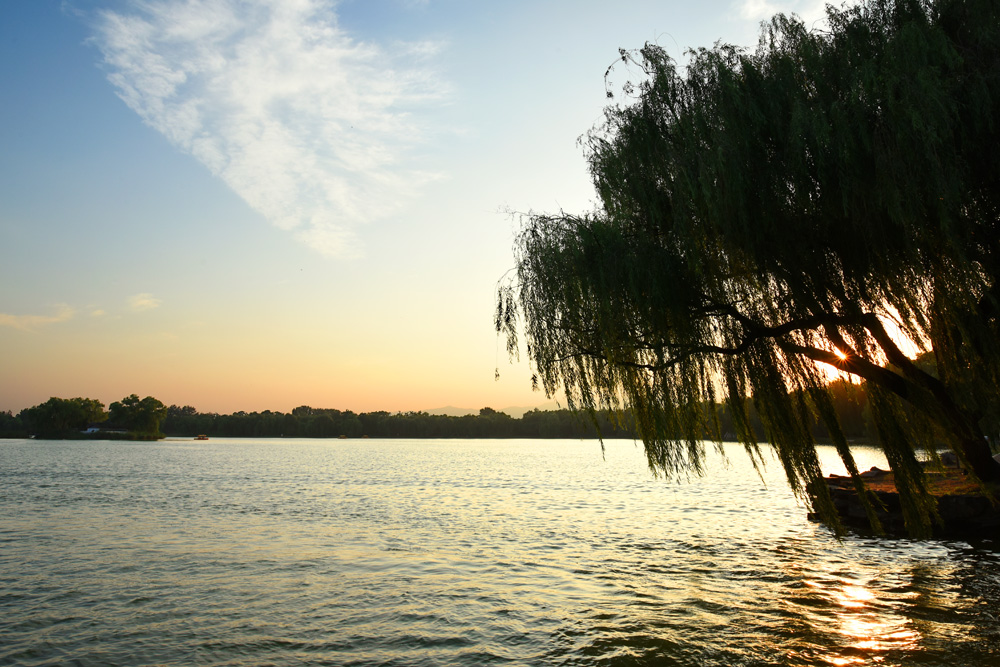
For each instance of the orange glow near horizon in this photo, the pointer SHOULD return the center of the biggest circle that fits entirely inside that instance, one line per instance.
(214, 378)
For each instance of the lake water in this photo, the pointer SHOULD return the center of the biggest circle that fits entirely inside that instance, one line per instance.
(449, 552)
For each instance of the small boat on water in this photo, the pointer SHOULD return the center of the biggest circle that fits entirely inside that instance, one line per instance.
(201, 437)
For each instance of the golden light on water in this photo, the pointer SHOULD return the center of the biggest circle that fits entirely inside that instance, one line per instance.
(845, 661)
(854, 597)
(864, 622)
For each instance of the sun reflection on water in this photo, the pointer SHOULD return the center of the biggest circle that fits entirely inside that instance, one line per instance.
(860, 619)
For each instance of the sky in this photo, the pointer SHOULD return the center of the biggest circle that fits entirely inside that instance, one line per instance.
(260, 204)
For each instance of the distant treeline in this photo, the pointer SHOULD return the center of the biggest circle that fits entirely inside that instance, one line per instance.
(67, 417)
(77, 418)
(309, 422)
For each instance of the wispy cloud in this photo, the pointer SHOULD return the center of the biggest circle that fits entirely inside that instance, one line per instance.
(310, 127)
(29, 322)
(143, 301)
(810, 11)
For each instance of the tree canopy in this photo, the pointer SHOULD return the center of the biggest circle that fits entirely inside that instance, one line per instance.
(765, 213)
(58, 417)
(138, 416)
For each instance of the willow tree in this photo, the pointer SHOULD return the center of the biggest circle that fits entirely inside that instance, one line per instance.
(765, 214)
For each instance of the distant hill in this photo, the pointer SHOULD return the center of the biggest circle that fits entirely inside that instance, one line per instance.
(515, 411)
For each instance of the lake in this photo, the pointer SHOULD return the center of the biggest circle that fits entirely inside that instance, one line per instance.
(244, 552)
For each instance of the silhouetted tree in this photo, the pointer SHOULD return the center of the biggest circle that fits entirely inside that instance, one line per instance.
(139, 416)
(62, 417)
(764, 212)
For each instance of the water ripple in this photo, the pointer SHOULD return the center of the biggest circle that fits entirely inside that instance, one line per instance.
(436, 553)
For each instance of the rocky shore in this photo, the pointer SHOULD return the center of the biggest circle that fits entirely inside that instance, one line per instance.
(965, 512)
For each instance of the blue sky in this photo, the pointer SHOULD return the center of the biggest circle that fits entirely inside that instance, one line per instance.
(248, 205)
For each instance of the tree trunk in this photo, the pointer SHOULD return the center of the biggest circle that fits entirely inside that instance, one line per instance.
(980, 459)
